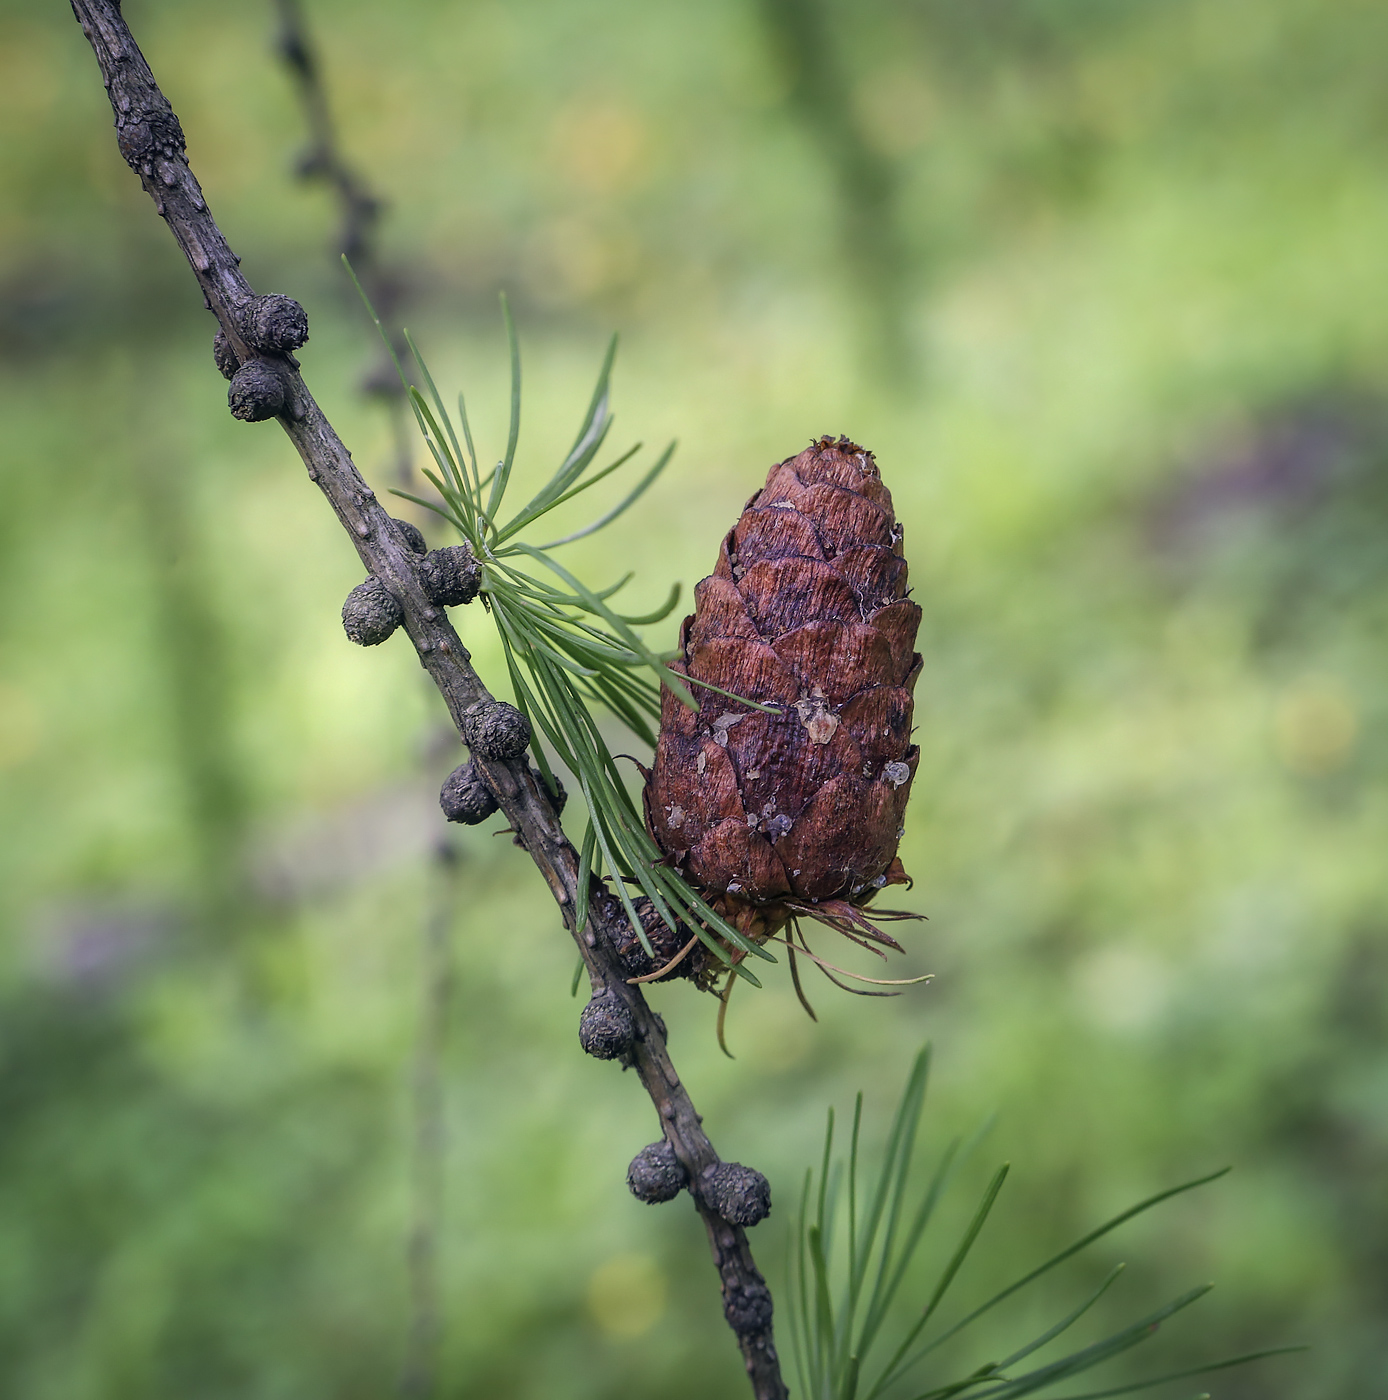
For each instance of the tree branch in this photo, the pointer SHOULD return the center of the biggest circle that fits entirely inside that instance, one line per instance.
(867, 194)
(359, 215)
(359, 208)
(151, 140)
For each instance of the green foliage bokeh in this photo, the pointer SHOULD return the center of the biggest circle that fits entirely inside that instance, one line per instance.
(1141, 465)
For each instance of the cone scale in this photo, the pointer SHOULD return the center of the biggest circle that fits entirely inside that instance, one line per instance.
(774, 814)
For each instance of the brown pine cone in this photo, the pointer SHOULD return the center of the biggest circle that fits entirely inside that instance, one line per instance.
(807, 611)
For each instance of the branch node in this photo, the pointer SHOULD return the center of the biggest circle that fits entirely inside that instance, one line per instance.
(258, 391)
(465, 796)
(449, 576)
(740, 1195)
(747, 1307)
(656, 1174)
(274, 324)
(148, 135)
(605, 1027)
(371, 613)
(495, 730)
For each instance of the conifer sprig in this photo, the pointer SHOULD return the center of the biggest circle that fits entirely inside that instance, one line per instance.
(566, 647)
(834, 1337)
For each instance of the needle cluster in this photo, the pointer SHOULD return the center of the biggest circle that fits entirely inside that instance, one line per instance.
(842, 1312)
(567, 647)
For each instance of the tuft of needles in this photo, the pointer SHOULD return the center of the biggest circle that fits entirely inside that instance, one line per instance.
(566, 646)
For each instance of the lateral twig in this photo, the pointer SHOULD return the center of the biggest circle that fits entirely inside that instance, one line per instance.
(359, 211)
(867, 182)
(151, 140)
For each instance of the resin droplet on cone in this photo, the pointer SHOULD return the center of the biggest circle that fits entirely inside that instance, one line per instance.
(806, 611)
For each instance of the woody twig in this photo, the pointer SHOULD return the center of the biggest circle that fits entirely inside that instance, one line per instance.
(258, 337)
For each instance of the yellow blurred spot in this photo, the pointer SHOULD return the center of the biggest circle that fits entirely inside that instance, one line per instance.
(20, 725)
(587, 259)
(600, 145)
(1315, 726)
(627, 1295)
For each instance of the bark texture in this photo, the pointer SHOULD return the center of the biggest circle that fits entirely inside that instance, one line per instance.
(806, 611)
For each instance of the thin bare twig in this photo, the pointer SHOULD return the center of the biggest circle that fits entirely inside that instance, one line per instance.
(151, 140)
(867, 184)
(359, 215)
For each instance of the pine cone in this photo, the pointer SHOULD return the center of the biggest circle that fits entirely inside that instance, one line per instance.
(807, 611)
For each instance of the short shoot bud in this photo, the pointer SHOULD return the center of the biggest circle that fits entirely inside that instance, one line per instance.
(274, 324)
(496, 730)
(739, 1194)
(449, 575)
(371, 613)
(257, 392)
(656, 1174)
(605, 1027)
(465, 796)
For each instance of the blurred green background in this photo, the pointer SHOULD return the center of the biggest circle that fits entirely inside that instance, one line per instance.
(1102, 282)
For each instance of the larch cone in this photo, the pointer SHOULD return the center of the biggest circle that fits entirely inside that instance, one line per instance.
(797, 812)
